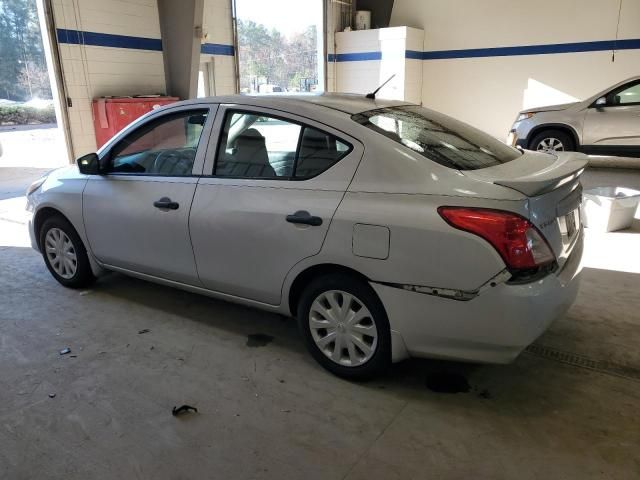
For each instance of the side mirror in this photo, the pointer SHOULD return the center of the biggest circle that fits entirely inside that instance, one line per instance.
(89, 164)
(601, 102)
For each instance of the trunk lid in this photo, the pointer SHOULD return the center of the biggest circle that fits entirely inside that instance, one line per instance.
(551, 184)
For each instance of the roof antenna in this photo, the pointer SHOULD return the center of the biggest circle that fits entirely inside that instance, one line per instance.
(372, 95)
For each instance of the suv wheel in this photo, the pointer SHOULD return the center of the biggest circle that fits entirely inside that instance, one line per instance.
(345, 326)
(64, 253)
(552, 141)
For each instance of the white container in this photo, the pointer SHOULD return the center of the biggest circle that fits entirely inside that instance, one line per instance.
(608, 209)
(363, 20)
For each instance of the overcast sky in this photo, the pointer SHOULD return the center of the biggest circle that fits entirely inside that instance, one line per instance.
(287, 16)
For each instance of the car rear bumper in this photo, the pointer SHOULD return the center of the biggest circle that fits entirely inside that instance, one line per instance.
(494, 327)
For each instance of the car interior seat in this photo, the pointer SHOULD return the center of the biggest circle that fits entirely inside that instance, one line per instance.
(250, 159)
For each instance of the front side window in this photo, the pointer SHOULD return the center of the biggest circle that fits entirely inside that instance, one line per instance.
(438, 137)
(254, 145)
(163, 146)
(628, 95)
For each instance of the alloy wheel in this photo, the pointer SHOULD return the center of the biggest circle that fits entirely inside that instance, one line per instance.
(61, 253)
(342, 328)
(550, 145)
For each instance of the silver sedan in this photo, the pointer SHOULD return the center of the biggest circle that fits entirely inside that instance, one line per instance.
(387, 229)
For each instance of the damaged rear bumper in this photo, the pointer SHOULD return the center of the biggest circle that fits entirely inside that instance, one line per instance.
(493, 326)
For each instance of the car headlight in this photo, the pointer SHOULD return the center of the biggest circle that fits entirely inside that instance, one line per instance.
(35, 185)
(524, 116)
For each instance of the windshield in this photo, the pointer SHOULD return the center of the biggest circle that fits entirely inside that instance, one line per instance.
(438, 137)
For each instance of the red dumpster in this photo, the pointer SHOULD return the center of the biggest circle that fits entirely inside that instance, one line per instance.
(112, 114)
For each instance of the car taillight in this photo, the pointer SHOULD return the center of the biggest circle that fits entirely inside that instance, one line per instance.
(517, 240)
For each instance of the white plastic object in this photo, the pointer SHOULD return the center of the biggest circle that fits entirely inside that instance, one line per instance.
(363, 20)
(608, 209)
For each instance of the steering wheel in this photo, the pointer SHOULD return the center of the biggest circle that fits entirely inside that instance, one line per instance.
(177, 159)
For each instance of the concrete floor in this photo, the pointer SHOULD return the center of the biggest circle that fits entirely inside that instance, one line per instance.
(270, 412)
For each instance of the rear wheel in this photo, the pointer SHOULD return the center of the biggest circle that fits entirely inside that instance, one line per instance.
(552, 141)
(64, 253)
(345, 326)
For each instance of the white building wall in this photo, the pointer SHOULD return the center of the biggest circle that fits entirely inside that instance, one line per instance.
(489, 91)
(91, 71)
(356, 73)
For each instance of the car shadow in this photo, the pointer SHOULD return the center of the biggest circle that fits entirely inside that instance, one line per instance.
(411, 378)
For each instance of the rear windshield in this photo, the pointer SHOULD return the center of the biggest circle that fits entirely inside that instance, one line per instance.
(438, 137)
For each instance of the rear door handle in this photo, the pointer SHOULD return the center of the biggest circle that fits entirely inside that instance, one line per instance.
(305, 218)
(166, 203)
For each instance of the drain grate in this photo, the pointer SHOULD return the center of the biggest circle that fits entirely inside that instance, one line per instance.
(576, 360)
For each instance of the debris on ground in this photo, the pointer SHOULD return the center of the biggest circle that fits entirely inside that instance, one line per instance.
(183, 409)
(73, 356)
(486, 394)
(258, 340)
(64, 351)
(85, 292)
(52, 395)
(144, 330)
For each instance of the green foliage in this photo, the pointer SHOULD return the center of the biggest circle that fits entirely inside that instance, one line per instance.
(266, 56)
(22, 63)
(23, 115)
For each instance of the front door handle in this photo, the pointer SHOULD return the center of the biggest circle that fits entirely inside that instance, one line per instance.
(305, 218)
(166, 203)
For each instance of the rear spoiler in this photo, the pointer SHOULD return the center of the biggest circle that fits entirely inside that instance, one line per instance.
(533, 173)
(564, 170)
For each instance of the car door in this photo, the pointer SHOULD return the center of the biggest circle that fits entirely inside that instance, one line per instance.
(613, 128)
(274, 182)
(136, 214)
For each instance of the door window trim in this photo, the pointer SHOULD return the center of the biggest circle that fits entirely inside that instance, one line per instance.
(247, 109)
(105, 152)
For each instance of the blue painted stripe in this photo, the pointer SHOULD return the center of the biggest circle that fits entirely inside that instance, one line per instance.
(78, 37)
(554, 48)
(354, 57)
(413, 55)
(217, 49)
(603, 45)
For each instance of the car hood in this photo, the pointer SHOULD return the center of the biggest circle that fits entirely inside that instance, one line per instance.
(68, 172)
(551, 108)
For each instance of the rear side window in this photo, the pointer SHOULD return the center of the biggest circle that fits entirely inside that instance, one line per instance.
(438, 137)
(261, 146)
(318, 151)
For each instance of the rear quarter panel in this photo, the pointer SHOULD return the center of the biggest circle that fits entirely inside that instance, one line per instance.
(423, 248)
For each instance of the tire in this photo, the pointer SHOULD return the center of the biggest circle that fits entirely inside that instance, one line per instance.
(363, 355)
(58, 239)
(556, 140)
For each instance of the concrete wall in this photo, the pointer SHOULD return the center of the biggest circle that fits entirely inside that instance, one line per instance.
(181, 27)
(218, 44)
(92, 69)
(114, 47)
(489, 90)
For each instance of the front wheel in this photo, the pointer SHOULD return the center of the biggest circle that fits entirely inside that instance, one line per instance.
(345, 326)
(64, 253)
(552, 141)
